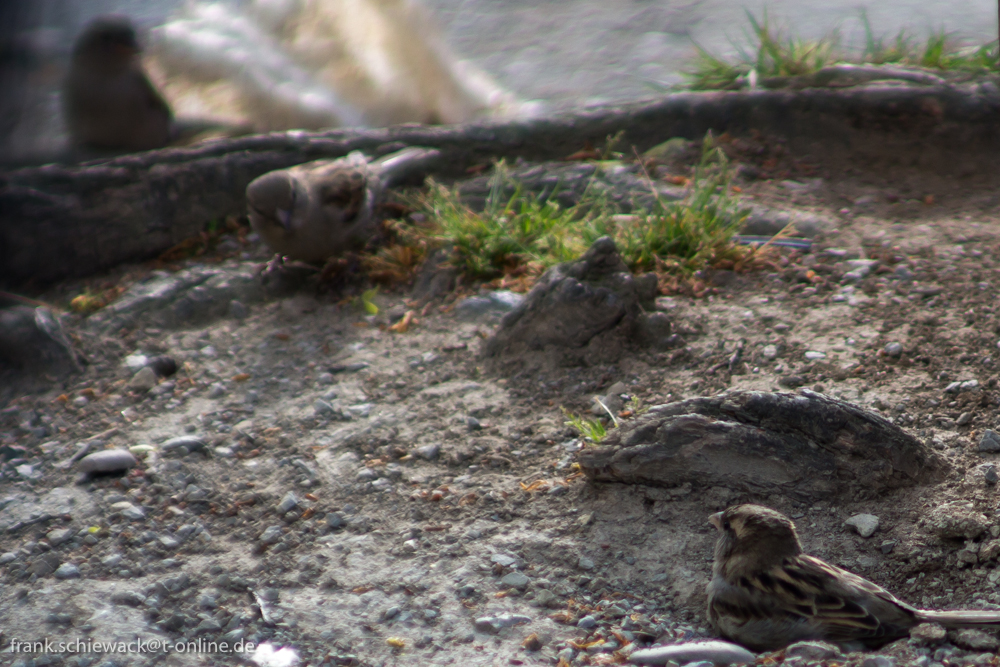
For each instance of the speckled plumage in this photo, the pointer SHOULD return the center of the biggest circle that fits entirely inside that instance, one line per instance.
(765, 593)
(321, 209)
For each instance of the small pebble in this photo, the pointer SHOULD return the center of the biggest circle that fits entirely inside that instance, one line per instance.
(163, 366)
(288, 503)
(191, 443)
(107, 460)
(587, 622)
(517, 580)
(989, 442)
(143, 380)
(878, 661)
(428, 452)
(717, 652)
(67, 571)
(894, 350)
(813, 650)
(59, 535)
(864, 524)
(271, 535)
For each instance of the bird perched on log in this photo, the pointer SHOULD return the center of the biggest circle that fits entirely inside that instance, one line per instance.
(765, 593)
(108, 101)
(321, 209)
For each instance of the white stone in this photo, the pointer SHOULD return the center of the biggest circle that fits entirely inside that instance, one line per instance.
(865, 524)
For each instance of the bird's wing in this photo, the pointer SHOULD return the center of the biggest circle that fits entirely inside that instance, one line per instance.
(846, 606)
(151, 97)
(344, 189)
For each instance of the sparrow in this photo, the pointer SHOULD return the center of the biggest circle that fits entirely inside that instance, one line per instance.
(317, 210)
(765, 593)
(109, 104)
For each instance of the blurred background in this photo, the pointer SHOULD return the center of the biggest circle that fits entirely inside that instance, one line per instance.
(276, 64)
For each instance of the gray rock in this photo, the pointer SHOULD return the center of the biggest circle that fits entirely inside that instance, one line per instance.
(288, 503)
(428, 452)
(59, 535)
(108, 460)
(864, 524)
(928, 633)
(191, 443)
(990, 475)
(112, 560)
(961, 386)
(954, 521)
(128, 598)
(517, 580)
(503, 560)
(335, 520)
(571, 305)
(587, 622)
(494, 303)
(716, 652)
(44, 565)
(974, 640)
(585, 563)
(762, 442)
(878, 661)
(989, 442)
(893, 350)
(545, 598)
(163, 365)
(216, 390)
(143, 380)
(169, 542)
(493, 624)
(7, 557)
(271, 535)
(67, 571)
(813, 650)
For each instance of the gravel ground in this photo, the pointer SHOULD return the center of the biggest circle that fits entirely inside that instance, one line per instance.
(377, 497)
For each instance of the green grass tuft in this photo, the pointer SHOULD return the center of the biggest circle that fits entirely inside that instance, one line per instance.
(589, 428)
(522, 234)
(775, 53)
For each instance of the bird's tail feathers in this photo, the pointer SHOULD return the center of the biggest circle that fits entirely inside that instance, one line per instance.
(406, 165)
(961, 619)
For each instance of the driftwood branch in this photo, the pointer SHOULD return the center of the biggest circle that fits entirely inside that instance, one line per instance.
(62, 221)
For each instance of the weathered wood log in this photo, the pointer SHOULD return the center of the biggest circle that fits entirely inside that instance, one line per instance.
(807, 446)
(59, 221)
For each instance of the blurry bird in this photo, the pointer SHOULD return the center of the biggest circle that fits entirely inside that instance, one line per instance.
(765, 593)
(109, 103)
(321, 209)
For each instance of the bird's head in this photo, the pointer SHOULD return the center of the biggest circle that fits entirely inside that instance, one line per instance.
(274, 197)
(107, 39)
(752, 537)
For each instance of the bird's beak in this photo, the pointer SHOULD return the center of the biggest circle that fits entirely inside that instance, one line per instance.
(716, 520)
(284, 217)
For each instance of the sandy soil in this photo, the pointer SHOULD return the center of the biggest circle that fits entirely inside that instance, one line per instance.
(375, 491)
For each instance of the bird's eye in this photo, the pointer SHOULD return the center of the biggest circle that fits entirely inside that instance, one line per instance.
(725, 524)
